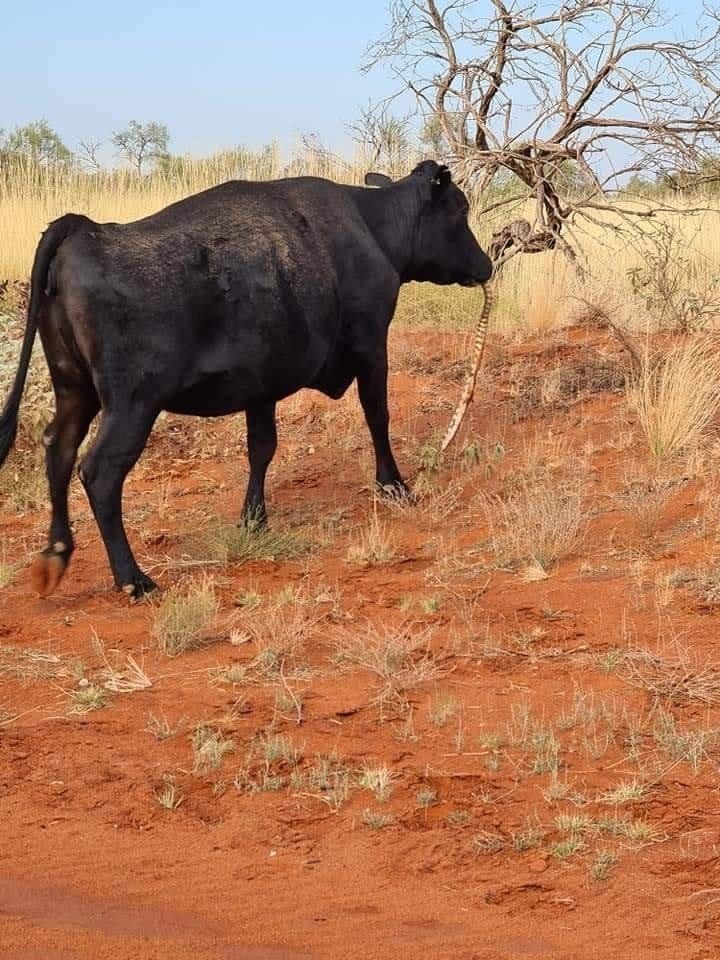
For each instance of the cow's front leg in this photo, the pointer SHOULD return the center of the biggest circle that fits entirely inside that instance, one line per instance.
(262, 443)
(372, 388)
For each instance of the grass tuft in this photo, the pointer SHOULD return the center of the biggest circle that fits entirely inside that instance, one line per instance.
(400, 659)
(168, 795)
(379, 780)
(88, 697)
(182, 616)
(223, 542)
(536, 524)
(377, 821)
(209, 747)
(603, 863)
(676, 395)
(374, 544)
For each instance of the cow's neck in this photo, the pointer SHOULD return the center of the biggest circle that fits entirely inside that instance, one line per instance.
(391, 214)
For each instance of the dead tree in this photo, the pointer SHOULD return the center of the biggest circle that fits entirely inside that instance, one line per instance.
(88, 154)
(561, 103)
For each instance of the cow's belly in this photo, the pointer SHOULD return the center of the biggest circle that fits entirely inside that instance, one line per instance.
(254, 351)
(227, 392)
(219, 392)
(213, 397)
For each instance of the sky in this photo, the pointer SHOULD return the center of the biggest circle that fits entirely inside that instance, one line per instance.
(219, 73)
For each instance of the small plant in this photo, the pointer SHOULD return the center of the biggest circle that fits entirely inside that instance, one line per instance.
(270, 782)
(577, 824)
(665, 283)
(443, 709)
(183, 615)
(458, 818)
(328, 779)
(161, 728)
(677, 677)
(209, 747)
(289, 704)
(603, 863)
(167, 795)
(374, 545)
(400, 659)
(249, 600)
(377, 821)
(127, 678)
(564, 849)
(426, 797)
(275, 748)
(529, 838)
(88, 696)
(235, 673)
(280, 636)
(223, 542)
(431, 458)
(487, 843)
(379, 780)
(636, 831)
(430, 605)
(546, 749)
(640, 831)
(629, 791)
(537, 524)
(644, 499)
(610, 660)
(491, 741)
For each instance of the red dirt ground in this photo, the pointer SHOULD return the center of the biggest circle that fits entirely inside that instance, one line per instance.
(92, 866)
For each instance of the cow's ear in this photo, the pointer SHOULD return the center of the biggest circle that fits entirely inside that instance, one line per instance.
(377, 180)
(443, 178)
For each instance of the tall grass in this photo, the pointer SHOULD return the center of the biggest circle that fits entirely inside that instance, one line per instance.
(676, 395)
(534, 292)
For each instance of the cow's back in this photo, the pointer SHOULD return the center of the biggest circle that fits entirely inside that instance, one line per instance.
(231, 295)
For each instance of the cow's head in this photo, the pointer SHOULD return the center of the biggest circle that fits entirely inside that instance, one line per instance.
(443, 247)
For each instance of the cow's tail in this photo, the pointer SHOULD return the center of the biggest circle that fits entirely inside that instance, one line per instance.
(58, 231)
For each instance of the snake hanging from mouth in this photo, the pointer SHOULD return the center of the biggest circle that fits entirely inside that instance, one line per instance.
(481, 330)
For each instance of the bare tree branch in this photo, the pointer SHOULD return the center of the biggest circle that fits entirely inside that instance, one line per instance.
(87, 154)
(570, 99)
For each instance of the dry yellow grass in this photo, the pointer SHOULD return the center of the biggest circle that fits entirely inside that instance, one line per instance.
(535, 293)
(676, 395)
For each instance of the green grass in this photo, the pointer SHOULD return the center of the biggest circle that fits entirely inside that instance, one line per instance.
(564, 849)
(224, 542)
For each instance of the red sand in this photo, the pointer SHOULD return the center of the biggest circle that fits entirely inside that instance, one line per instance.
(91, 866)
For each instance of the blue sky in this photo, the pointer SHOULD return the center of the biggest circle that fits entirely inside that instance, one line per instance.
(218, 73)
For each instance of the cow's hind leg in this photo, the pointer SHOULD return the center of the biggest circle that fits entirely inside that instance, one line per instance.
(372, 388)
(117, 447)
(262, 444)
(75, 410)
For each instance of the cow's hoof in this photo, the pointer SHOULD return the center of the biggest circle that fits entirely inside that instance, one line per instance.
(140, 586)
(47, 570)
(398, 491)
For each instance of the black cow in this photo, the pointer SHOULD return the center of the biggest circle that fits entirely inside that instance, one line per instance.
(229, 300)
